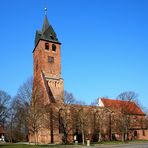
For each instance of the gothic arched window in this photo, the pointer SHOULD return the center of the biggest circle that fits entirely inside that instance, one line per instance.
(54, 47)
(46, 46)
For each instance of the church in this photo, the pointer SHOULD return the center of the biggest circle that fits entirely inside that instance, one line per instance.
(52, 121)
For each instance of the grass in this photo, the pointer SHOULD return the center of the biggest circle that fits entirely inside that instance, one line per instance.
(119, 142)
(25, 146)
(17, 146)
(67, 146)
(34, 146)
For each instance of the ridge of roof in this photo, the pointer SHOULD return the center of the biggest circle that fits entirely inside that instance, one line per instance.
(125, 106)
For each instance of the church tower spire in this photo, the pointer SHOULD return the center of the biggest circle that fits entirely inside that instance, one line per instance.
(46, 25)
(47, 60)
(47, 33)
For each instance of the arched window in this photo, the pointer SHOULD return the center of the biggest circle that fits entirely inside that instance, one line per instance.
(54, 47)
(143, 132)
(46, 46)
(135, 133)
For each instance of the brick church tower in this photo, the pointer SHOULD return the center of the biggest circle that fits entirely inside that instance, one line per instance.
(48, 85)
(47, 62)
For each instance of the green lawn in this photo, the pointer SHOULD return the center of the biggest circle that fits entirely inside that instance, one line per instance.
(25, 146)
(34, 146)
(68, 146)
(120, 142)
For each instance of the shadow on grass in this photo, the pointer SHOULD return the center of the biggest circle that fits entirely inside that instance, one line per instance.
(19, 146)
(15, 145)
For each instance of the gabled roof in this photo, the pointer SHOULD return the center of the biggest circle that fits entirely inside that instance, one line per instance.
(47, 33)
(126, 107)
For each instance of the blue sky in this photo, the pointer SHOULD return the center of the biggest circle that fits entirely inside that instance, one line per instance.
(104, 45)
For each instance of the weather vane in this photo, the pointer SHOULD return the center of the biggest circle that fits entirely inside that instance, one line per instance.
(45, 9)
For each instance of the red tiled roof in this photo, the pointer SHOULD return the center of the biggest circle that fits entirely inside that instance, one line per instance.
(126, 107)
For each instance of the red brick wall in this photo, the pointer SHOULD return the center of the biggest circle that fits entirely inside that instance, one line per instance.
(41, 57)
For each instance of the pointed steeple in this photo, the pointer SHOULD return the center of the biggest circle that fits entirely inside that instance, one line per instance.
(45, 24)
(47, 32)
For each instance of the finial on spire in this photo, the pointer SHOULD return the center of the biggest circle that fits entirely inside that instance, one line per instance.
(45, 9)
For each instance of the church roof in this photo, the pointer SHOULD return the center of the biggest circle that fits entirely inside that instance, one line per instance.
(47, 33)
(127, 107)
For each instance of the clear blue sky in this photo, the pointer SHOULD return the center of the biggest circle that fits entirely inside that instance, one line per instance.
(104, 44)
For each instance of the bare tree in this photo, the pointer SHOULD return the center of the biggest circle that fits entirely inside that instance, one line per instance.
(9, 126)
(17, 123)
(127, 108)
(82, 124)
(25, 91)
(37, 113)
(101, 123)
(66, 116)
(94, 103)
(146, 121)
(84, 117)
(128, 95)
(23, 97)
(4, 101)
(65, 121)
(69, 98)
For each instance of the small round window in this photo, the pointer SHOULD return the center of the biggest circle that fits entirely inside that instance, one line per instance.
(54, 47)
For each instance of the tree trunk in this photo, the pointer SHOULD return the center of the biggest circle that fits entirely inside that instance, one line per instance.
(126, 134)
(100, 137)
(11, 133)
(126, 137)
(110, 128)
(36, 138)
(100, 134)
(51, 126)
(65, 138)
(123, 137)
(83, 137)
